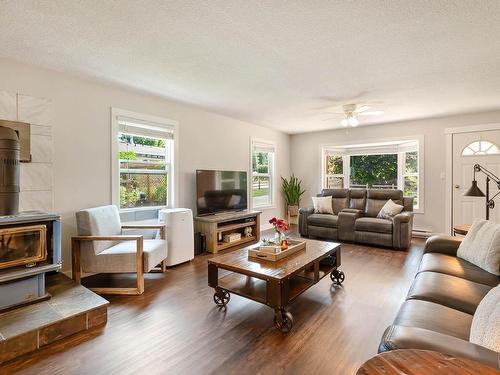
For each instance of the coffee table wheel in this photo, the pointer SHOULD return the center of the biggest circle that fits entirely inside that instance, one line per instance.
(283, 320)
(221, 297)
(337, 277)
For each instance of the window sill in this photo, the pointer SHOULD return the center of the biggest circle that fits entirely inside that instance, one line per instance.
(146, 208)
(264, 208)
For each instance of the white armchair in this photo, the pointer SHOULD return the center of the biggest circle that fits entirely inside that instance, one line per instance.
(101, 247)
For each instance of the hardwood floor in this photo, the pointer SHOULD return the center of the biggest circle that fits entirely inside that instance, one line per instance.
(175, 327)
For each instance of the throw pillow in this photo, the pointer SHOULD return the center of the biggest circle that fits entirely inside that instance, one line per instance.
(481, 246)
(322, 205)
(389, 210)
(485, 328)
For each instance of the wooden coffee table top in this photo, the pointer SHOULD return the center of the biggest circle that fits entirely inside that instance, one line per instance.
(239, 260)
(418, 362)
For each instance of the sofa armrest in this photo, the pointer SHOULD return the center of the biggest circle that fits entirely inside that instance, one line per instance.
(347, 220)
(304, 212)
(442, 244)
(401, 337)
(403, 217)
(402, 230)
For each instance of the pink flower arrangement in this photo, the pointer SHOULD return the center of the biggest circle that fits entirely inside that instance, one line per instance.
(279, 225)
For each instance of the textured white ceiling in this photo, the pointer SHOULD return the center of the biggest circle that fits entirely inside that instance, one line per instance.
(273, 62)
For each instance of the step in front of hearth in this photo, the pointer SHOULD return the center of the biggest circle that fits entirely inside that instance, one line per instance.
(71, 309)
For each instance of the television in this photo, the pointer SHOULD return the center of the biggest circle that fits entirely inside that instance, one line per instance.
(220, 191)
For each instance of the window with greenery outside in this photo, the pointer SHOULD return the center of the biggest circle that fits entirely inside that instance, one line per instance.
(143, 171)
(377, 171)
(261, 179)
(334, 164)
(410, 176)
(334, 172)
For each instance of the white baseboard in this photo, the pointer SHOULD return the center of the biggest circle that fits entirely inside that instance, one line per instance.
(421, 233)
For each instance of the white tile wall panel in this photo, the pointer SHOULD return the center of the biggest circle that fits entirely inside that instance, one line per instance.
(41, 130)
(41, 149)
(8, 106)
(36, 176)
(36, 200)
(33, 110)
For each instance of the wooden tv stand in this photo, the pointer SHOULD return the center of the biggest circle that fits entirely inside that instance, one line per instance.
(214, 227)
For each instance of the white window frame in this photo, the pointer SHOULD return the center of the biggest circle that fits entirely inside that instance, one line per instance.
(172, 187)
(402, 171)
(345, 166)
(397, 146)
(272, 175)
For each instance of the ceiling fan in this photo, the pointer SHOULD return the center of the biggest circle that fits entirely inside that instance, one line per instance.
(351, 113)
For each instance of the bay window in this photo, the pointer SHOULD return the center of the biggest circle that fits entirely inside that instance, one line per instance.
(383, 165)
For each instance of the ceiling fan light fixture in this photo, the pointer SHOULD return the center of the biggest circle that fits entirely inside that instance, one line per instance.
(352, 121)
(344, 122)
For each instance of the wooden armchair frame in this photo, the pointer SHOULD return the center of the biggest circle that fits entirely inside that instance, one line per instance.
(139, 289)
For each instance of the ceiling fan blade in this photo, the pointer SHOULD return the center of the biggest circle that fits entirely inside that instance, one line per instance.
(371, 113)
(329, 119)
(363, 108)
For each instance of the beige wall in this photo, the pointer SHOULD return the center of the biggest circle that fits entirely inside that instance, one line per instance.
(80, 119)
(305, 156)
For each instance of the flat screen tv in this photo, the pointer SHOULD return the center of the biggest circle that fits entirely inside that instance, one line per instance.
(220, 191)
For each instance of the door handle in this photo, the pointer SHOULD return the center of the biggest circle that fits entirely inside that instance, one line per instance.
(457, 186)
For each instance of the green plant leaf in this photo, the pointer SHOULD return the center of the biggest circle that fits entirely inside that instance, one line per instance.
(292, 190)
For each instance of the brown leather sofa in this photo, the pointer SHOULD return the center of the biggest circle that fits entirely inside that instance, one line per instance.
(437, 314)
(355, 219)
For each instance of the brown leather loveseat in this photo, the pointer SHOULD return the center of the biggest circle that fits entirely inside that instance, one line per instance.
(355, 218)
(437, 314)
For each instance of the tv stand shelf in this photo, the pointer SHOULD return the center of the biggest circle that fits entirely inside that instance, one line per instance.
(214, 227)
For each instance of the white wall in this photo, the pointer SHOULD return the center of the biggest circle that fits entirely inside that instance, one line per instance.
(80, 119)
(305, 156)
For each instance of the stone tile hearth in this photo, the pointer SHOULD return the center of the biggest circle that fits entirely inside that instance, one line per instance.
(72, 309)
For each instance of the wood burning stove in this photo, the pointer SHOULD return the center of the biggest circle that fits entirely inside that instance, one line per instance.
(30, 241)
(23, 245)
(30, 246)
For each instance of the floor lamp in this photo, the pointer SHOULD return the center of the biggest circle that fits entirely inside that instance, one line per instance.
(474, 190)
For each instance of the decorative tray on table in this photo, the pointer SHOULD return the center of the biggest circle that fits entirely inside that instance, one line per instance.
(274, 252)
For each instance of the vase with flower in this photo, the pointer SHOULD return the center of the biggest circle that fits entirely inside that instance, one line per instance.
(280, 226)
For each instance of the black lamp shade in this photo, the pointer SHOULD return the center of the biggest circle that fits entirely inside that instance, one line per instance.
(474, 191)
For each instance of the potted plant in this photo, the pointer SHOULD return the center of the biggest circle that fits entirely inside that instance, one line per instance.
(292, 191)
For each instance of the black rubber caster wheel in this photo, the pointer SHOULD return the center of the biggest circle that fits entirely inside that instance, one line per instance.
(337, 277)
(221, 297)
(283, 321)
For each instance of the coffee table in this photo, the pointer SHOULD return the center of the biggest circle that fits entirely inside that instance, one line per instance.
(275, 284)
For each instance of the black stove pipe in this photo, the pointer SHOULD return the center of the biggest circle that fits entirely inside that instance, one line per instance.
(10, 152)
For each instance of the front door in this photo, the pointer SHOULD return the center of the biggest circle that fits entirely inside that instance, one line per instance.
(468, 149)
